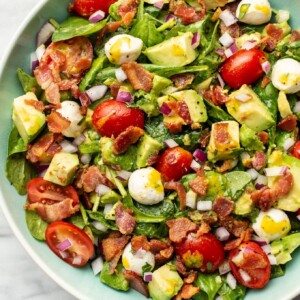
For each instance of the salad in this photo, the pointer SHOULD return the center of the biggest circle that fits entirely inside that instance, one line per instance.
(158, 142)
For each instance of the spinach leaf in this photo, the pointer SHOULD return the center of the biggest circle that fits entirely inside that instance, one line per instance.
(152, 230)
(209, 285)
(76, 26)
(277, 270)
(215, 113)
(15, 142)
(295, 224)
(280, 138)
(77, 220)
(237, 181)
(89, 148)
(164, 208)
(35, 224)
(99, 216)
(28, 82)
(227, 293)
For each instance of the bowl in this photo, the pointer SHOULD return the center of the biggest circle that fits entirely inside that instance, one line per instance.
(81, 282)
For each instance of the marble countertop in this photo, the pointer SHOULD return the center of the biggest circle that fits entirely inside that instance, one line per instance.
(20, 276)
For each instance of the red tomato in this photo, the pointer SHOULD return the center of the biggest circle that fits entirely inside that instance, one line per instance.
(205, 252)
(46, 192)
(243, 67)
(111, 117)
(296, 150)
(81, 249)
(86, 8)
(250, 258)
(174, 163)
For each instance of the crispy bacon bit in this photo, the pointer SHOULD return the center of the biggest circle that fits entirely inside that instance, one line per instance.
(235, 227)
(162, 251)
(113, 247)
(39, 105)
(263, 198)
(174, 127)
(204, 138)
(216, 95)
(295, 37)
(268, 43)
(183, 112)
(263, 136)
(187, 292)
(283, 186)
(233, 30)
(139, 78)
(179, 228)
(191, 277)
(45, 147)
(203, 229)
(180, 266)
(224, 167)
(259, 160)
(56, 122)
(156, 246)
(245, 237)
(275, 32)
(187, 14)
(251, 260)
(124, 219)
(85, 200)
(56, 211)
(114, 88)
(266, 80)
(126, 138)
(223, 207)
(140, 242)
(127, 10)
(199, 185)
(109, 27)
(288, 124)
(181, 81)
(179, 188)
(136, 282)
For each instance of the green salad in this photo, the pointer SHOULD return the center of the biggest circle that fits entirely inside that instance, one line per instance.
(158, 141)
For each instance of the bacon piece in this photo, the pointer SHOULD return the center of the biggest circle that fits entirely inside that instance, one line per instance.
(245, 237)
(235, 227)
(251, 261)
(263, 198)
(204, 138)
(39, 105)
(216, 95)
(136, 282)
(179, 188)
(126, 138)
(191, 277)
(187, 292)
(124, 219)
(56, 122)
(224, 167)
(183, 112)
(203, 229)
(127, 10)
(259, 160)
(174, 127)
(109, 27)
(263, 136)
(288, 124)
(275, 32)
(56, 211)
(223, 207)
(199, 185)
(162, 251)
(85, 200)
(140, 242)
(283, 186)
(179, 228)
(139, 78)
(180, 266)
(221, 135)
(266, 80)
(114, 89)
(181, 81)
(295, 37)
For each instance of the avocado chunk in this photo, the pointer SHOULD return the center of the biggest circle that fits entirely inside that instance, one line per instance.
(244, 204)
(284, 26)
(224, 141)
(28, 120)
(290, 202)
(249, 139)
(62, 168)
(165, 283)
(252, 112)
(175, 52)
(283, 105)
(147, 147)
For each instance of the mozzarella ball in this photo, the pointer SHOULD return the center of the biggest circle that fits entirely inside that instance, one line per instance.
(145, 186)
(123, 48)
(135, 261)
(272, 224)
(71, 111)
(286, 75)
(254, 12)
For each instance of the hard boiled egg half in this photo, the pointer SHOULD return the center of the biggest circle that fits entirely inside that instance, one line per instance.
(123, 48)
(272, 224)
(145, 186)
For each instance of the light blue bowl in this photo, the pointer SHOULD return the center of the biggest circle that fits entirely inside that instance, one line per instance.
(81, 282)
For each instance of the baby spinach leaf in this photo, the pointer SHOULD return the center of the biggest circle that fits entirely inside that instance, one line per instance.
(237, 181)
(208, 284)
(36, 225)
(28, 82)
(215, 113)
(227, 293)
(277, 271)
(152, 230)
(15, 142)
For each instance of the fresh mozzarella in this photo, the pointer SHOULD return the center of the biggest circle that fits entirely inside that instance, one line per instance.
(137, 261)
(145, 186)
(71, 111)
(286, 75)
(254, 12)
(123, 48)
(272, 224)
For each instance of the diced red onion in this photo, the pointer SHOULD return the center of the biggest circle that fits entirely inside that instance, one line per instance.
(191, 199)
(45, 34)
(288, 143)
(124, 96)
(298, 217)
(243, 97)
(220, 51)
(107, 208)
(221, 81)
(267, 248)
(272, 260)
(260, 241)
(159, 4)
(200, 155)
(170, 143)
(196, 40)
(96, 92)
(276, 171)
(169, 17)
(43, 173)
(148, 276)
(42, 167)
(86, 158)
(226, 39)
(102, 189)
(266, 66)
(40, 50)
(228, 17)
(231, 281)
(68, 147)
(34, 62)
(245, 276)
(98, 225)
(253, 173)
(124, 174)
(259, 186)
(64, 245)
(222, 234)
(297, 107)
(84, 99)
(79, 140)
(77, 260)
(97, 265)
(165, 109)
(97, 16)
(224, 267)
(249, 45)
(204, 205)
(63, 254)
(231, 50)
(195, 165)
(261, 179)
(120, 75)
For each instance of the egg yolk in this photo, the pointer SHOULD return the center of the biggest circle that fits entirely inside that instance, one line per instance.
(154, 181)
(115, 50)
(263, 8)
(272, 227)
(125, 263)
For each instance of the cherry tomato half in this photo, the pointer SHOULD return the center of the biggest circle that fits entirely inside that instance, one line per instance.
(81, 249)
(174, 163)
(205, 252)
(250, 258)
(243, 67)
(111, 117)
(86, 8)
(296, 150)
